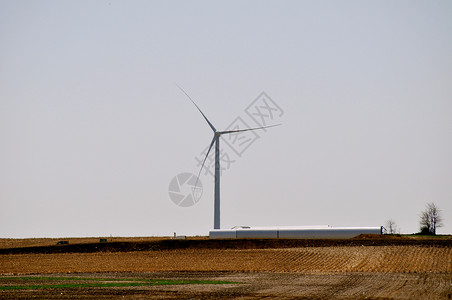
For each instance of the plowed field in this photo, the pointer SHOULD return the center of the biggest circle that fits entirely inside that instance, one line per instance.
(394, 271)
(386, 259)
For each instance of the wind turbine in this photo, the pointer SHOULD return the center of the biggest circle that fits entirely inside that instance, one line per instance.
(216, 141)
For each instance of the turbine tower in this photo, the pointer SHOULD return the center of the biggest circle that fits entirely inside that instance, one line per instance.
(216, 141)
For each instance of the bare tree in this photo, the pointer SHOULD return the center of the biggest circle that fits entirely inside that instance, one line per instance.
(391, 227)
(431, 219)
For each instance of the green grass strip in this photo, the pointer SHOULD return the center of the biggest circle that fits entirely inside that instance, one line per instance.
(131, 282)
(69, 278)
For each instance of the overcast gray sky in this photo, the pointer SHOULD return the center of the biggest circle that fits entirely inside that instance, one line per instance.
(93, 127)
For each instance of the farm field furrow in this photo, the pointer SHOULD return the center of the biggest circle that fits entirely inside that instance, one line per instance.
(387, 259)
(257, 286)
(252, 270)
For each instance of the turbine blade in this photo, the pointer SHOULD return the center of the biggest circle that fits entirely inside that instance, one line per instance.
(247, 129)
(208, 122)
(205, 158)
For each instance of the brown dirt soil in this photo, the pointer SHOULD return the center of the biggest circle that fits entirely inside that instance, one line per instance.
(409, 259)
(391, 268)
(89, 245)
(40, 242)
(262, 285)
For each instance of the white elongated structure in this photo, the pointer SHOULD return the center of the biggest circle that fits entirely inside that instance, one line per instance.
(216, 140)
(317, 232)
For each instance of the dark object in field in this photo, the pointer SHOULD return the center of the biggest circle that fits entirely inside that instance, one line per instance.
(62, 242)
(102, 240)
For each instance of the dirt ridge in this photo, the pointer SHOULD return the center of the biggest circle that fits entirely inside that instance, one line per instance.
(223, 244)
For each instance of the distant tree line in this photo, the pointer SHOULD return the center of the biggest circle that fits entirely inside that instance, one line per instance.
(430, 220)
